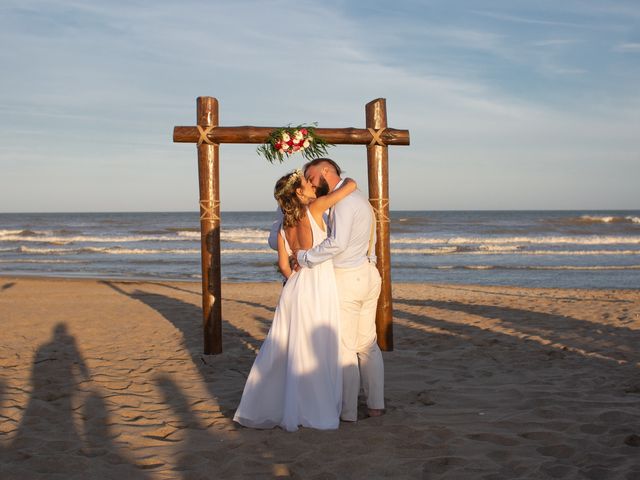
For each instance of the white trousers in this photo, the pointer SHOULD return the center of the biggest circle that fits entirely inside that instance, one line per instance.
(361, 359)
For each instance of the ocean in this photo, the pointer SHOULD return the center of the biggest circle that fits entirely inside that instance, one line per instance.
(565, 249)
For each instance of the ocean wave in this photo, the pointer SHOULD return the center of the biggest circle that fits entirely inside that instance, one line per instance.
(240, 235)
(23, 233)
(58, 240)
(536, 267)
(42, 260)
(244, 235)
(523, 240)
(234, 251)
(135, 251)
(107, 250)
(608, 219)
(189, 234)
(507, 251)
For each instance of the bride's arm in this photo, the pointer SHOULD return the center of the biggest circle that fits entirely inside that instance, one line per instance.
(321, 204)
(283, 257)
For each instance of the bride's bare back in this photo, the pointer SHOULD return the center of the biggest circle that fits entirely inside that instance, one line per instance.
(300, 237)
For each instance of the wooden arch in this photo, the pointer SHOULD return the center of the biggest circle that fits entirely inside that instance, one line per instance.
(208, 135)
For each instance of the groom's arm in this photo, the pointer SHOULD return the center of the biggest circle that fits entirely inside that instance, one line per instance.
(275, 230)
(332, 245)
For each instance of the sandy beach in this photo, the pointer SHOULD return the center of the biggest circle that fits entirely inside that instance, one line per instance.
(106, 379)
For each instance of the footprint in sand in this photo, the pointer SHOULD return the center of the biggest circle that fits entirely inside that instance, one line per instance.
(593, 429)
(557, 451)
(493, 438)
(540, 436)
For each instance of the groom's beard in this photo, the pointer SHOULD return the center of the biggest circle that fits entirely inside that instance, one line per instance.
(323, 188)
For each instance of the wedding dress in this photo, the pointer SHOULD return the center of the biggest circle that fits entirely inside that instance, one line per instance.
(296, 379)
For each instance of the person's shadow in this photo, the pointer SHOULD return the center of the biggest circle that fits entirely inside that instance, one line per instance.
(58, 368)
(47, 441)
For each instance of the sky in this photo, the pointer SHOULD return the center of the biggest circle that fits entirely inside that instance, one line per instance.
(510, 104)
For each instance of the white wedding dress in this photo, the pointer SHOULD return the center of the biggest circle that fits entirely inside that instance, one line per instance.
(296, 378)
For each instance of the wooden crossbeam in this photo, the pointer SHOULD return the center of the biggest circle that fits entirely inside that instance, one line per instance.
(248, 134)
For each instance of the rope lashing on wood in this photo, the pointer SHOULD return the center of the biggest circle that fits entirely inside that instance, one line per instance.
(376, 137)
(203, 135)
(379, 209)
(207, 208)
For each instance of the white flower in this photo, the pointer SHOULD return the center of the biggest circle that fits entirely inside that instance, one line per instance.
(298, 135)
(285, 137)
(305, 144)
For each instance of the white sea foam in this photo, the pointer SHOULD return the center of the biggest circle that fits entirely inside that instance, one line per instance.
(189, 234)
(244, 235)
(424, 251)
(584, 267)
(41, 260)
(538, 267)
(108, 250)
(267, 251)
(136, 251)
(91, 239)
(598, 218)
(543, 240)
(234, 251)
(507, 251)
(240, 235)
(608, 219)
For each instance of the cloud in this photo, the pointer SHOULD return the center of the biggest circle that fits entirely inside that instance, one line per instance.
(627, 48)
(103, 84)
(535, 21)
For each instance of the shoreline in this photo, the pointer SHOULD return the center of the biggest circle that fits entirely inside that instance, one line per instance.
(106, 379)
(41, 276)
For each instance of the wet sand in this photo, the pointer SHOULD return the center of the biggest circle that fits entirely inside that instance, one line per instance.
(106, 379)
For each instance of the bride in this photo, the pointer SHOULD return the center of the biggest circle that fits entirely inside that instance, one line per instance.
(296, 379)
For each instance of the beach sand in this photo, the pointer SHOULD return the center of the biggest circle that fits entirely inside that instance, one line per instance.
(106, 379)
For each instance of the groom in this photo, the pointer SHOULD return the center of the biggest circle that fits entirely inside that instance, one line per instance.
(350, 245)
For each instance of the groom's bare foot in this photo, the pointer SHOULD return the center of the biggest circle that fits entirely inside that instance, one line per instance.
(375, 412)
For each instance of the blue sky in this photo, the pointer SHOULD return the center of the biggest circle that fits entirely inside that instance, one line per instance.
(510, 104)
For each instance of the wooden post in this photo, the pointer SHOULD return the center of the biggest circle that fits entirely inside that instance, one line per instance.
(209, 180)
(378, 163)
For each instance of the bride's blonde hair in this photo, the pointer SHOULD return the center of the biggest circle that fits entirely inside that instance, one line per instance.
(287, 198)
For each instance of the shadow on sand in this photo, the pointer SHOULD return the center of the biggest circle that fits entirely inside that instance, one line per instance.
(47, 439)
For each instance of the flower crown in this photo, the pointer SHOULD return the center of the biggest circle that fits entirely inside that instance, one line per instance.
(295, 175)
(293, 178)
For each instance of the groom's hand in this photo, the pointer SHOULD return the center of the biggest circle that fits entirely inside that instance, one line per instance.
(293, 261)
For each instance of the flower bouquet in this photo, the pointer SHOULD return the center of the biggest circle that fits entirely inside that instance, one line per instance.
(286, 141)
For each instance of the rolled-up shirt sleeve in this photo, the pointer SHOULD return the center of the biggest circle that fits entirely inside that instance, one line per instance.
(275, 229)
(332, 245)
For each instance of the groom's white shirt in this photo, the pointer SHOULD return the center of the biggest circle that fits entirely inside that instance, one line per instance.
(350, 223)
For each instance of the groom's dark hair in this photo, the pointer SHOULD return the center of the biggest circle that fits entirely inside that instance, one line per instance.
(317, 161)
